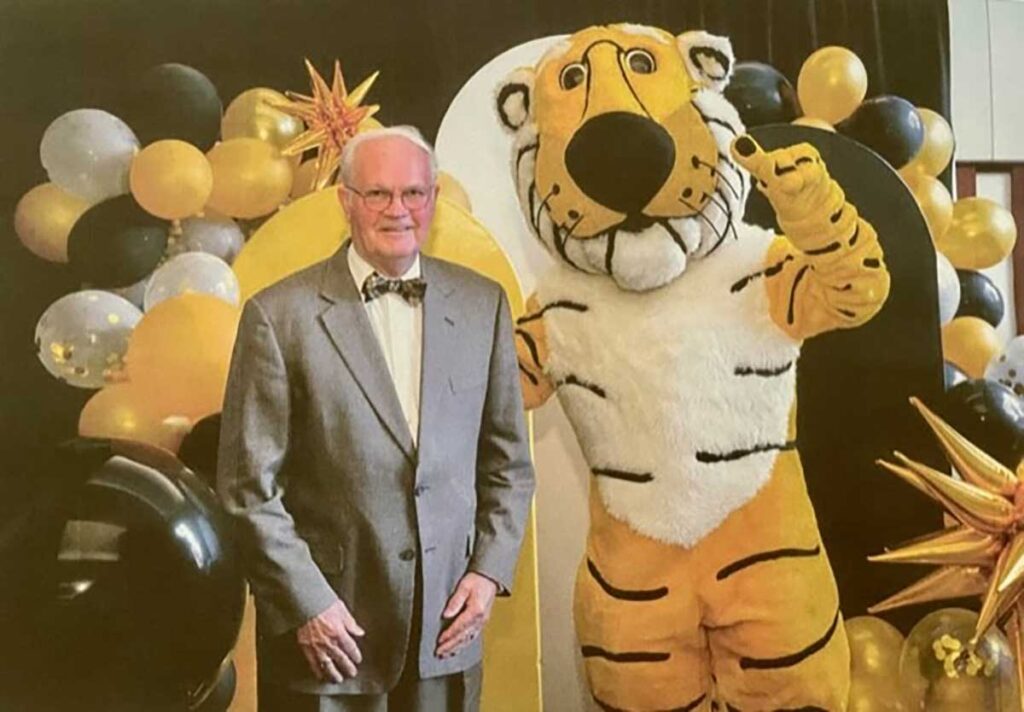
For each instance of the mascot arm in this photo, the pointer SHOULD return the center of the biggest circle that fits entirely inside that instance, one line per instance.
(532, 352)
(827, 271)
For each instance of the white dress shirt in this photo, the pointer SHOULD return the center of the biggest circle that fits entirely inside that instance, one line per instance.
(398, 326)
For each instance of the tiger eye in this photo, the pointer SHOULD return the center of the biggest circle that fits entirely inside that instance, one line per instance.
(572, 76)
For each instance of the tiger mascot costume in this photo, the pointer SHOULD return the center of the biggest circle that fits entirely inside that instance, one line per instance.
(670, 331)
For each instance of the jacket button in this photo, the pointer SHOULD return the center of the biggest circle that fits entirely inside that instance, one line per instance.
(407, 555)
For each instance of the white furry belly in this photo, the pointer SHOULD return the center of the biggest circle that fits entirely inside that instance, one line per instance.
(680, 397)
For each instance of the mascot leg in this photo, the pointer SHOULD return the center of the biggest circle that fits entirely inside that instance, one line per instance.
(638, 622)
(776, 634)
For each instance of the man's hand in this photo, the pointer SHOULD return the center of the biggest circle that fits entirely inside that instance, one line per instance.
(328, 642)
(470, 606)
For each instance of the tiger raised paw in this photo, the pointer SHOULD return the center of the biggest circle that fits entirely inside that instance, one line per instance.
(669, 330)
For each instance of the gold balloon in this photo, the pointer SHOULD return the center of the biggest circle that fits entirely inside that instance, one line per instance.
(935, 202)
(124, 411)
(251, 114)
(250, 178)
(44, 218)
(832, 84)
(171, 179)
(180, 351)
(981, 234)
(451, 189)
(875, 695)
(305, 179)
(814, 123)
(937, 149)
(875, 647)
(970, 343)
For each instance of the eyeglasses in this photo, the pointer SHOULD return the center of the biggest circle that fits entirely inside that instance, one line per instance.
(380, 200)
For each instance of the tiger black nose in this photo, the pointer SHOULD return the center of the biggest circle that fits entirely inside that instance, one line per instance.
(620, 160)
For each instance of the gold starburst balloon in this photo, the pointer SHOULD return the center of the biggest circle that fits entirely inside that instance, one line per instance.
(332, 115)
(983, 553)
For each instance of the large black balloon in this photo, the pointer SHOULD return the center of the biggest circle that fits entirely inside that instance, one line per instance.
(199, 448)
(980, 297)
(890, 125)
(223, 692)
(988, 414)
(762, 95)
(173, 101)
(116, 243)
(140, 598)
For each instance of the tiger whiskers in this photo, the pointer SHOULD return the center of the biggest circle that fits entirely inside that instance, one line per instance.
(714, 228)
(718, 175)
(724, 207)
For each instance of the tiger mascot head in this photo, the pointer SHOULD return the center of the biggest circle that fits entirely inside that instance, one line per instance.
(621, 150)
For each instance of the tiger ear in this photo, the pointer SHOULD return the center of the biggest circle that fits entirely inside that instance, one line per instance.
(512, 100)
(708, 58)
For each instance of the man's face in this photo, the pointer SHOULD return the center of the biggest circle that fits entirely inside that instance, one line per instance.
(389, 238)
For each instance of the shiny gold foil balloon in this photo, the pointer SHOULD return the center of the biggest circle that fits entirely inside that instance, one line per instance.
(44, 218)
(305, 179)
(252, 114)
(937, 149)
(935, 202)
(250, 178)
(981, 234)
(832, 84)
(171, 179)
(970, 344)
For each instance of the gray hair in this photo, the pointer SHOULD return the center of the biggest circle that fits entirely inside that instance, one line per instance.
(409, 133)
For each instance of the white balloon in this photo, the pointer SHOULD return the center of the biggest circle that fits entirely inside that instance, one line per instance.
(1008, 367)
(134, 293)
(82, 337)
(217, 236)
(949, 288)
(196, 272)
(88, 153)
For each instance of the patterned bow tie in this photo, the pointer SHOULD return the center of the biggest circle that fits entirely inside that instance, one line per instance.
(411, 290)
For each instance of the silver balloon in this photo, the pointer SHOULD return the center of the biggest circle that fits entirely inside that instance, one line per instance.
(1008, 367)
(81, 338)
(88, 153)
(949, 288)
(217, 236)
(192, 272)
(134, 293)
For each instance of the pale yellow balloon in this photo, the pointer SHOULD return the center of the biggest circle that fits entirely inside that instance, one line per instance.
(875, 647)
(981, 234)
(251, 114)
(250, 178)
(875, 695)
(937, 148)
(970, 344)
(451, 189)
(44, 218)
(935, 202)
(814, 123)
(171, 179)
(125, 411)
(832, 84)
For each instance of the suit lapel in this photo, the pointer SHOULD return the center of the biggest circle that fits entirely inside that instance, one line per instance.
(349, 329)
(438, 330)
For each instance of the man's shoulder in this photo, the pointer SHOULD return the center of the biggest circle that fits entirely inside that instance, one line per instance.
(293, 291)
(464, 278)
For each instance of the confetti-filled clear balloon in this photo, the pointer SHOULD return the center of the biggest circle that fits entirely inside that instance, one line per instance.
(949, 288)
(218, 236)
(88, 153)
(82, 337)
(1008, 367)
(192, 273)
(942, 672)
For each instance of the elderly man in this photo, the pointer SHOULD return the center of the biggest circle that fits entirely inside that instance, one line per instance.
(374, 456)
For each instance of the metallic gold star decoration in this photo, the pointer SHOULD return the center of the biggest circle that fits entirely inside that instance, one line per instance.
(332, 117)
(983, 553)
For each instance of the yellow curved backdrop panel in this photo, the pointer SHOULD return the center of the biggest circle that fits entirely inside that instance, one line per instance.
(310, 230)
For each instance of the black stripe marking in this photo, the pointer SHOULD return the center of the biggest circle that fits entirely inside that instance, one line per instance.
(804, 159)
(530, 344)
(856, 234)
(715, 457)
(639, 656)
(711, 120)
(676, 237)
(560, 304)
(837, 215)
(792, 293)
(872, 263)
(624, 594)
(605, 707)
(769, 272)
(622, 474)
(795, 658)
(847, 313)
(572, 380)
(523, 151)
(783, 170)
(529, 376)
(609, 253)
(766, 372)
(507, 91)
(844, 288)
(831, 247)
(763, 556)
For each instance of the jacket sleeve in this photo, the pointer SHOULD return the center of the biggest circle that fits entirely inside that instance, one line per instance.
(288, 585)
(504, 474)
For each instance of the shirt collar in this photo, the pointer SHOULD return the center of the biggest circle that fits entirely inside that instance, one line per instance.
(361, 269)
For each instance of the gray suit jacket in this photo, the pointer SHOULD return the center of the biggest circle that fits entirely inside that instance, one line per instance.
(330, 497)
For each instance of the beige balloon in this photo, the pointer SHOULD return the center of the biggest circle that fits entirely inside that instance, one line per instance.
(44, 218)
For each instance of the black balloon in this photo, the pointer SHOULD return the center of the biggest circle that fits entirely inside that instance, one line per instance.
(116, 243)
(223, 692)
(762, 95)
(199, 448)
(988, 414)
(952, 375)
(173, 101)
(890, 125)
(980, 297)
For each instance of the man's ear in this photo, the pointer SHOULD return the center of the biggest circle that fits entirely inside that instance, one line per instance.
(512, 100)
(708, 58)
